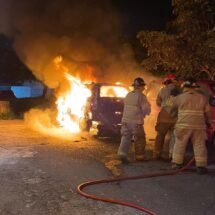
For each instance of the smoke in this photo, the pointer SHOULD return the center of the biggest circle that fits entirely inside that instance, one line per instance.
(85, 32)
(42, 121)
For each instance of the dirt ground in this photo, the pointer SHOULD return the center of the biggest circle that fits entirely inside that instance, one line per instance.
(39, 175)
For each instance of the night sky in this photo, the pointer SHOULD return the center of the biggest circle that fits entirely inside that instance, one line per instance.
(143, 14)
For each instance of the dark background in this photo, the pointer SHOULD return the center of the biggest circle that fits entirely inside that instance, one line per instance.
(143, 14)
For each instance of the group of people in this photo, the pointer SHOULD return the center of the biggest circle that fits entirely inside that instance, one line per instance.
(184, 116)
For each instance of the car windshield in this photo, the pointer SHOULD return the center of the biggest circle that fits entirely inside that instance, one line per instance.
(113, 91)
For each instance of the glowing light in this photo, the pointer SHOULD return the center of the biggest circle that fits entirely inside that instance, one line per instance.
(120, 91)
(113, 91)
(72, 104)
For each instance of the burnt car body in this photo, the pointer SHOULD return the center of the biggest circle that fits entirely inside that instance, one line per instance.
(104, 109)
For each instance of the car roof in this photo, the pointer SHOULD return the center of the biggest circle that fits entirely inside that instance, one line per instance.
(108, 84)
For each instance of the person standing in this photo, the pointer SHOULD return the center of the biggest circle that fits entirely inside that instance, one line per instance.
(165, 125)
(136, 107)
(193, 114)
(165, 119)
(169, 83)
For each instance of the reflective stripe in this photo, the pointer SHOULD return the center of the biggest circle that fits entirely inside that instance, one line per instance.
(201, 159)
(178, 158)
(139, 156)
(201, 164)
(169, 102)
(191, 112)
(190, 126)
(185, 119)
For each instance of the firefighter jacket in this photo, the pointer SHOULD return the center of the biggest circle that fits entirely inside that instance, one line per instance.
(166, 114)
(193, 110)
(164, 94)
(136, 107)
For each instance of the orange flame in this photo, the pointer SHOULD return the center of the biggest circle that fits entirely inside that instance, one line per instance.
(113, 91)
(72, 104)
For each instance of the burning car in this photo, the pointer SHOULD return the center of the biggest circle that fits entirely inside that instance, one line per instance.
(104, 108)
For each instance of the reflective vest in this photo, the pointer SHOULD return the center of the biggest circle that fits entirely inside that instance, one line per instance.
(164, 94)
(192, 109)
(136, 107)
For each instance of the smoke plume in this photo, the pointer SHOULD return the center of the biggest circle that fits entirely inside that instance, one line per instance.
(85, 33)
(52, 37)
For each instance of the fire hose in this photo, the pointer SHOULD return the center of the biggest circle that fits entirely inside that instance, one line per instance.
(128, 204)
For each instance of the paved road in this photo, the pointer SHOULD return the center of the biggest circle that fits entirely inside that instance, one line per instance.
(39, 175)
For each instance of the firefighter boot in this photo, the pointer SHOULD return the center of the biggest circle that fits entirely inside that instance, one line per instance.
(156, 156)
(139, 146)
(201, 170)
(165, 156)
(124, 159)
(139, 143)
(176, 166)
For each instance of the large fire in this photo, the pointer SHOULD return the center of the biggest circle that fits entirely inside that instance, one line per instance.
(72, 100)
(71, 105)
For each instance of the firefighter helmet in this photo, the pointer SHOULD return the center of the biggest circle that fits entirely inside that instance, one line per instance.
(138, 82)
(190, 83)
(169, 79)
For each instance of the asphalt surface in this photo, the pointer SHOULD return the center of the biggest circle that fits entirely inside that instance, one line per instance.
(39, 175)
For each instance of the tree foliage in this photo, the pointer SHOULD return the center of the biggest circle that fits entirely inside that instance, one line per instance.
(188, 44)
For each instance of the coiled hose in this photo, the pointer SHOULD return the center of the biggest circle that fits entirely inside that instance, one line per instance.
(128, 204)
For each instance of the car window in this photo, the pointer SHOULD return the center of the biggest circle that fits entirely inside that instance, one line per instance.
(113, 91)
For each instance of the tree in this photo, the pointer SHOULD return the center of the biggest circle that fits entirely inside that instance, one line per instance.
(12, 70)
(188, 44)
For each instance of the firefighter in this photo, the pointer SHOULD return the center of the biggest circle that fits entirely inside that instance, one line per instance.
(164, 93)
(165, 120)
(165, 125)
(193, 115)
(136, 107)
